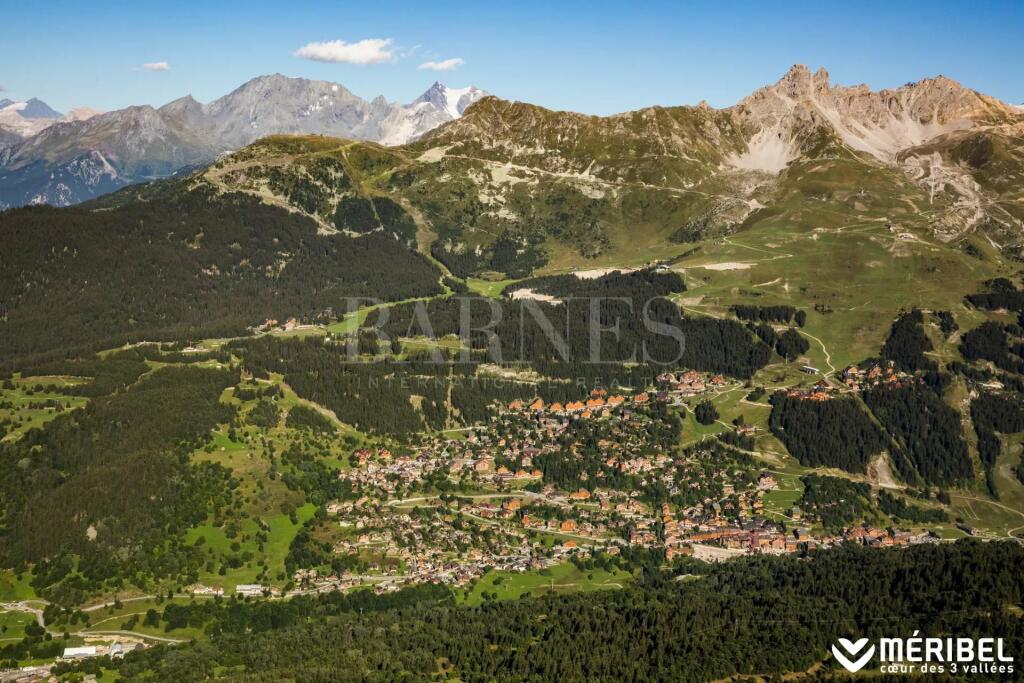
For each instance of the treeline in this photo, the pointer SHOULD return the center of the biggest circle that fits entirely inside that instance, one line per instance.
(897, 508)
(639, 285)
(187, 265)
(995, 414)
(770, 314)
(632, 323)
(717, 627)
(997, 343)
(791, 344)
(929, 442)
(362, 215)
(134, 448)
(304, 417)
(907, 343)
(1000, 294)
(834, 433)
(388, 396)
(509, 255)
(108, 374)
(838, 503)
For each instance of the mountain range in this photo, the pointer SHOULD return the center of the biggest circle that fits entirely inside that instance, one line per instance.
(19, 120)
(46, 158)
(616, 187)
(484, 173)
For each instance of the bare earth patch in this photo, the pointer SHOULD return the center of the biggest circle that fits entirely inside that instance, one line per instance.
(728, 265)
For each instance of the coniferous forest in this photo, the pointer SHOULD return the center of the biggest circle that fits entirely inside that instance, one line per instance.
(204, 266)
(754, 616)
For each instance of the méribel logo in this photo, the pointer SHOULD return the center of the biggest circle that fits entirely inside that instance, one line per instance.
(849, 654)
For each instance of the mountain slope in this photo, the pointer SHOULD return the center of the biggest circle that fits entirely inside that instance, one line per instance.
(79, 159)
(185, 261)
(510, 187)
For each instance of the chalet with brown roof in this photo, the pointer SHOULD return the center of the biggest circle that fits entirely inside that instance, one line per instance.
(537, 405)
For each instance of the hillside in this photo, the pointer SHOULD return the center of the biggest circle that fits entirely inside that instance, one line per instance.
(184, 264)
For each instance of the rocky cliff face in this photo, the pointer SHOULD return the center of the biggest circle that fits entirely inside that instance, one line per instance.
(803, 106)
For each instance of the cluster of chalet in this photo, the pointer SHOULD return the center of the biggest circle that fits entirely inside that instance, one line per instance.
(886, 373)
(690, 382)
(452, 544)
(273, 325)
(819, 391)
(383, 470)
(717, 501)
(599, 404)
(886, 538)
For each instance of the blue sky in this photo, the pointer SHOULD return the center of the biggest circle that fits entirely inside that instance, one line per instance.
(595, 57)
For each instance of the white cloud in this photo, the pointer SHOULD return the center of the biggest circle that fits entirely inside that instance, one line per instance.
(443, 65)
(369, 51)
(156, 66)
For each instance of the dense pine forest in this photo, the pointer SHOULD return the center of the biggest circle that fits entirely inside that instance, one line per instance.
(761, 615)
(908, 343)
(635, 322)
(188, 264)
(837, 433)
(929, 440)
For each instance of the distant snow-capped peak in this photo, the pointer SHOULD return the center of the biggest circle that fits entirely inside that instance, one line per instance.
(452, 101)
(31, 109)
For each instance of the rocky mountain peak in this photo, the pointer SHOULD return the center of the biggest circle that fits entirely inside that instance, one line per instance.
(802, 107)
(184, 132)
(453, 101)
(37, 109)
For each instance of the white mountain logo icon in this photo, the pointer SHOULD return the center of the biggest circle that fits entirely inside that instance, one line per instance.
(851, 650)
